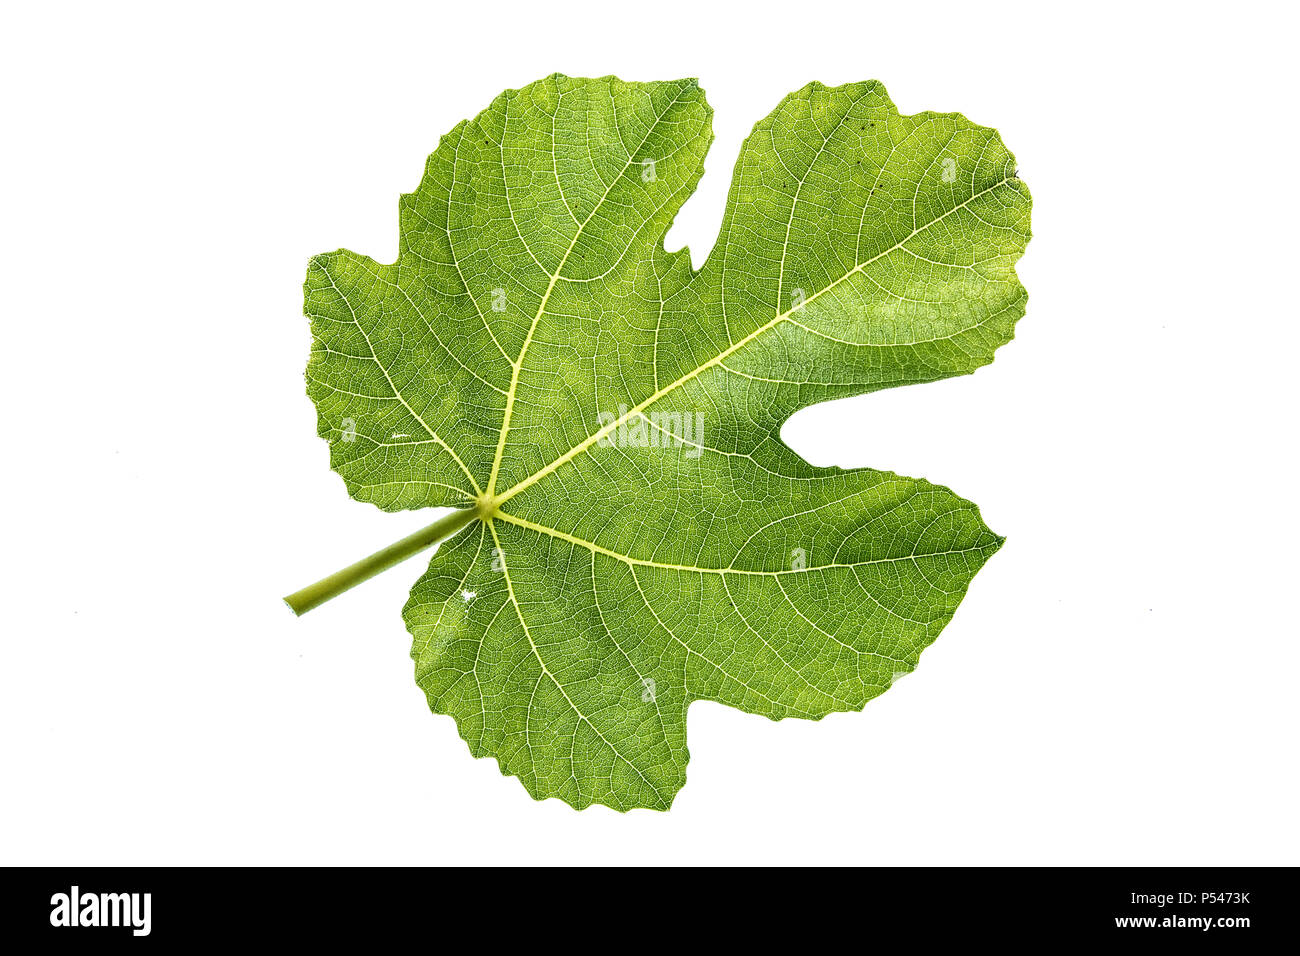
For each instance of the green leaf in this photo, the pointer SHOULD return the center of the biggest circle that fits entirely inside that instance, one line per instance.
(639, 536)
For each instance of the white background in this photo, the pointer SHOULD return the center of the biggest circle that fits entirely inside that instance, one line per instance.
(1120, 684)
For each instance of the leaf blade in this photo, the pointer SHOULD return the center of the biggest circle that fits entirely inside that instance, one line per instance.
(650, 540)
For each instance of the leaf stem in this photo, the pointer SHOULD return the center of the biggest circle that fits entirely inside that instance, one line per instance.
(317, 594)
